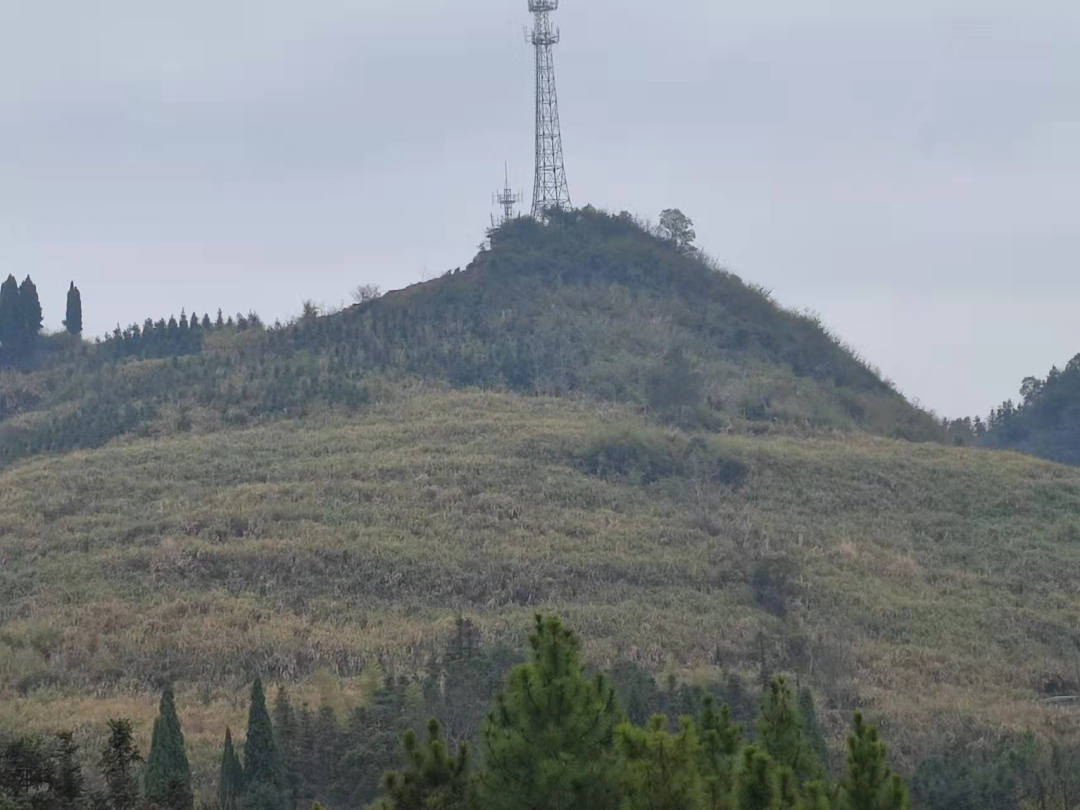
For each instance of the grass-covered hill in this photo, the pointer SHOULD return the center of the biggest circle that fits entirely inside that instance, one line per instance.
(932, 586)
(585, 421)
(587, 304)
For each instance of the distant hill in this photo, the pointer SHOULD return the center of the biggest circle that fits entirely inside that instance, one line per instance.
(587, 304)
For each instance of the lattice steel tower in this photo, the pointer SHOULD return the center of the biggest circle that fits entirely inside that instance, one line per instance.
(549, 189)
(506, 200)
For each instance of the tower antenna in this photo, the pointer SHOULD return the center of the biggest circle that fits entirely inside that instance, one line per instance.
(506, 200)
(550, 189)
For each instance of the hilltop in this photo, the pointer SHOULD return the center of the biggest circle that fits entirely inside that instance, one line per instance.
(585, 305)
(588, 421)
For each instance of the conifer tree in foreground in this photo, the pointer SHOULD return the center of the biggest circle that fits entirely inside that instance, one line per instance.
(869, 784)
(118, 761)
(548, 742)
(720, 742)
(432, 779)
(756, 785)
(263, 778)
(780, 731)
(73, 317)
(231, 780)
(168, 774)
(660, 769)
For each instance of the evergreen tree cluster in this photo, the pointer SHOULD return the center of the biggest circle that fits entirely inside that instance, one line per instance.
(173, 337)
(556, 737)
(20, 319)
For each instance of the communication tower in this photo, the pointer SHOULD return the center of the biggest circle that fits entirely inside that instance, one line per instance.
(506, 200)
(550, 189)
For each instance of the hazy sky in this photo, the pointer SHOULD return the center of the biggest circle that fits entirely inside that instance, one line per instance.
(910, 170)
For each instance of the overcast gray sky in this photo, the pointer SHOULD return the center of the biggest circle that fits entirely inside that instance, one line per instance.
(908, 170)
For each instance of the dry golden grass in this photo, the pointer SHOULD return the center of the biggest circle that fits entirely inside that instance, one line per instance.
(934, 587)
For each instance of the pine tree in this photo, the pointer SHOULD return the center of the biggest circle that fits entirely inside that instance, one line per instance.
(432, 779)
(73, 319)
(816, 796)
(263, 781)
(720, 741)
(118, 761)
(660, 769)
(869, 784)
(231, 780)
(756, 787)
(10, 316)
(780, 731)
(787, 788)
(168, 774)
(30, 315)
(548, 742)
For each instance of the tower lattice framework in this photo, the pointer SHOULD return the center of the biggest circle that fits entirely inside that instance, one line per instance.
(550, 189)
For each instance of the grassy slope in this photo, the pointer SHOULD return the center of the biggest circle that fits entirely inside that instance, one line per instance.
(935, 586)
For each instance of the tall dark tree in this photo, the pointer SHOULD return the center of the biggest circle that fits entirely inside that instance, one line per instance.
(548, 743)
(118, 763)
(168, 774)
(30, 315)
(433, 778)
(231, 780)
(263, 778)
(73, 321)
(10, 316)
(287, 732)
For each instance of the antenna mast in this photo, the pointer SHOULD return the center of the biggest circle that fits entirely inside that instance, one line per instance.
(550, 189)
(506, 200)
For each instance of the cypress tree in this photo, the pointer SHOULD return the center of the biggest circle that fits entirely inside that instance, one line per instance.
(780, 731)
(263, 779)
(548, 741)
(73, 318)
(30, 315)
(869, 784)
(231, 781)
(10, 316)
(168, 774)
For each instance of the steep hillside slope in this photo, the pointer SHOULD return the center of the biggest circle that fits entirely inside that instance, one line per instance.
(936, 587)
(587, 304)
